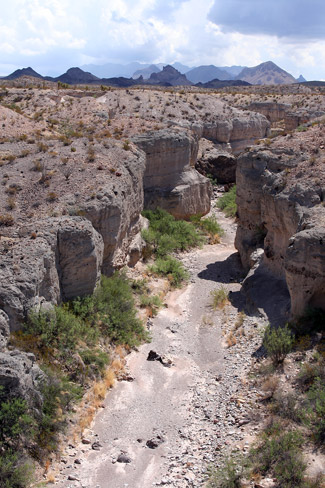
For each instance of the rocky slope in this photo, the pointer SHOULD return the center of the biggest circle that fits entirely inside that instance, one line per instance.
(280, 207)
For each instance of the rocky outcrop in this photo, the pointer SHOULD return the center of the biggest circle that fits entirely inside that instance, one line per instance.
(61, 260)
(169, 76)
(276, 112)
(216, 162)
(170, 181)
(240, 130)
(271, 110)
(21, 377)
(305, 269)
(116, 213)
(279, 198)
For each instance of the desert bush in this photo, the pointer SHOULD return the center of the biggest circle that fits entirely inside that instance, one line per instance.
(279, 454)
(209, 226)
(219, 298)
(14, 472)
(278, 343)
(227, 203)
(14, 420)
(152, 302)
(171, 268)
(58, 328)
(286, 405)
(6, 220)
(95, 360)
(114, 305)
(166, 234)
(316, 398)
(58, 395)
(230, 474)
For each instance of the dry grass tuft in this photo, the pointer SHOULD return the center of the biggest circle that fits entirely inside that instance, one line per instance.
(231, 339)
(219, 298)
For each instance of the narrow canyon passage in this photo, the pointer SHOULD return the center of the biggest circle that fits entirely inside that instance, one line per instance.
(183, 410)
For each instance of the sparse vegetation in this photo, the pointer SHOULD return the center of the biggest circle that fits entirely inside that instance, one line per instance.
(227, 203)
(219, 298)
(278, 343)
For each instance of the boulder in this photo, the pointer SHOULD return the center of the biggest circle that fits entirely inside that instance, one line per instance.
(20, 376)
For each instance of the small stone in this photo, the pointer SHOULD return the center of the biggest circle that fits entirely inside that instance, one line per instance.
(71, 477)
(86, 441)
(124, 458)
(96, 446)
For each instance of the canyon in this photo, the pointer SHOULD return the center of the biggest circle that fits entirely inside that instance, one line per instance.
(79, 166)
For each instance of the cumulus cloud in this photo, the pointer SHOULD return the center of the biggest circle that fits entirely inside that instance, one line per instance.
(53, 35)
(296, 19)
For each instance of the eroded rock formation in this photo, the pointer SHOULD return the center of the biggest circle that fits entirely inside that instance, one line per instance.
(279, 194)
(170, 180)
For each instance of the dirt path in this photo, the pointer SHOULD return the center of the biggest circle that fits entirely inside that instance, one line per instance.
(189, 411)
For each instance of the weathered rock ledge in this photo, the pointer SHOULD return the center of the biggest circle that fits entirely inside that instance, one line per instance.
(279, 195)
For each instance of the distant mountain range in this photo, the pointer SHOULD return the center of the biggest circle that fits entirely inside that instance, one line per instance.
(204, 76)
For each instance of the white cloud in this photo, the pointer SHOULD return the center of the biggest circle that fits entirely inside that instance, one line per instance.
(57, 34)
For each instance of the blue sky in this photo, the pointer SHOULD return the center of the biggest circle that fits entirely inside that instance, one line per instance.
(53, 35)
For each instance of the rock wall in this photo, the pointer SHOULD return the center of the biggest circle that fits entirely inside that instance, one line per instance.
(116, 213)
(271, 110)
(285, 218)
(60, 261)
(170, 181)
(241, 129)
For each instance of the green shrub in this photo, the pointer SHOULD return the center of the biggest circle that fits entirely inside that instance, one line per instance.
(286, 405)
(171, 268)
(316, 398)
(209, 226)
(14, 473)
(153, 302)
(166, 234)
(59, 328)
(227, 203)
(95, 360)
(58, 396)
(115, 308)
(14, 421)
(280, 455)
(278, 343)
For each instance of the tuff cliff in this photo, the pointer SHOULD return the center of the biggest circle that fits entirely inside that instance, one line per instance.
(170, 180)
(280, 194)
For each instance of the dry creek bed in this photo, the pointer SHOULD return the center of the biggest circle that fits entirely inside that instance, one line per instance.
(180, 414)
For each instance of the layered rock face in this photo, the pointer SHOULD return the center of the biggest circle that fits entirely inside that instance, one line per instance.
(116, 214)
(279, 197)
(170, 181)
(276, 112)
(240, 130)
(271, 110)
